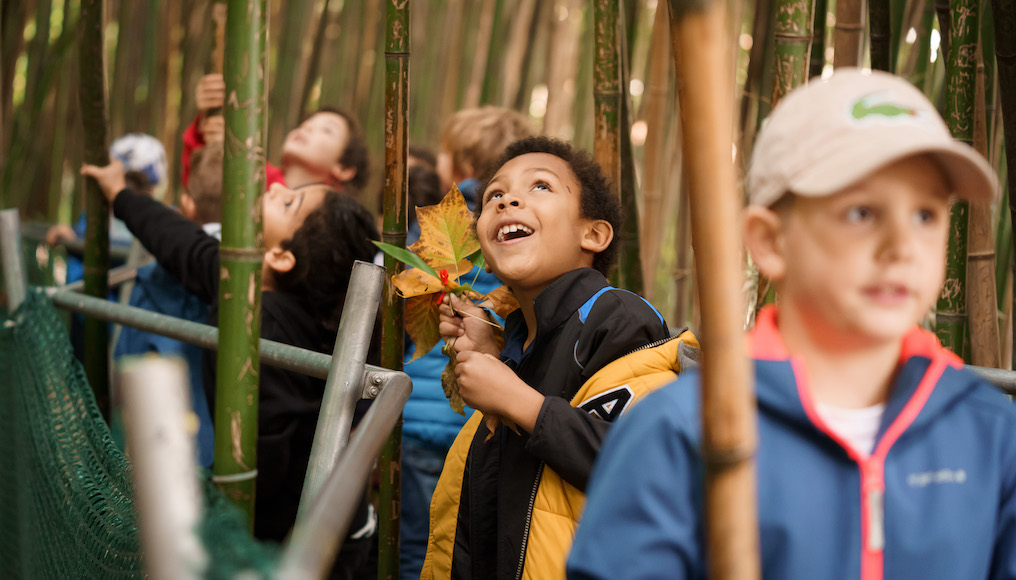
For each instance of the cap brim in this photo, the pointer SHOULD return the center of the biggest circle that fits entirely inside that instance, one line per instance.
(970, 176)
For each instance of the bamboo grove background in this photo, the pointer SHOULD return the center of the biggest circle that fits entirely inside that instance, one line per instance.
(543, 57)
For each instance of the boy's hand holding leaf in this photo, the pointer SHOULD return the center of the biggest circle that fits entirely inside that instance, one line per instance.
(446, 251)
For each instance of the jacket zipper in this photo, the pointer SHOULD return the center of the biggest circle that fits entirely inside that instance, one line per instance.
(529, 521)
(657, 343)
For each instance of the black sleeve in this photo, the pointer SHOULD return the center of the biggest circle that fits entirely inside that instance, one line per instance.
(569, 438)
(178, 244)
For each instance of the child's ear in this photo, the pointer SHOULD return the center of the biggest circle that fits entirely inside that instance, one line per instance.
(188, 208)
(763, 239)
(280, 260)
(598, 235)
(342, 173)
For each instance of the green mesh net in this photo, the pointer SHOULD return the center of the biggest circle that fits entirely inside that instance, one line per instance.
(66, 497)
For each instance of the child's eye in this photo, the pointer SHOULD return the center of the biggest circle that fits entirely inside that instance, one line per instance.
(492, 196)
(542, 185)
(859, 213)
(926, 216)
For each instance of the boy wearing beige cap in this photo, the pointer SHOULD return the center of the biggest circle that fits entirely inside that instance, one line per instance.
(879, 455)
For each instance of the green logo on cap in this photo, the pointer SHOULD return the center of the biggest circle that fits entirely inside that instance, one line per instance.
(870, 106)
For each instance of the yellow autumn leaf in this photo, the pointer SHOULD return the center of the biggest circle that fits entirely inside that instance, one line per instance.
(422, 324)
(446, 231)
(501, 301)
(415, 282)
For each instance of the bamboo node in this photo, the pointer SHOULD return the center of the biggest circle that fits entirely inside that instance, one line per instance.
(723, 459)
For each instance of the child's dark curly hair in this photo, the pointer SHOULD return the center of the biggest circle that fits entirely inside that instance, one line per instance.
(331, 238)
(596, 201)
(355, 154)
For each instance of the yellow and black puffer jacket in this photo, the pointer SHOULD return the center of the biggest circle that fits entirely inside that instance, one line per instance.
(557, 505)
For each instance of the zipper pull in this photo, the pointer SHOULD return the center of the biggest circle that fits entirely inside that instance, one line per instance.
(876, 519)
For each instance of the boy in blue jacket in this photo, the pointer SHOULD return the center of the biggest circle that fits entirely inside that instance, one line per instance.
(879, 455)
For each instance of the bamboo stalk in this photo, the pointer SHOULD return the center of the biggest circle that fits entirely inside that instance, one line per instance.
(897, 30)
(314, 66)
(562, 68)
(754, 86)
(983, 304)
(847, 35)
(286, 81)
(942, 11)
(238, 368)
(818, 27)
(365, 70)
(393, 308)
(951, 320)
(482, 50)
(699, 32)
(654, 161)
(451, 69)
(792, 36)
(1004, 13)
(607, 92)
(879, 34)
(629, 259)
(92, 95)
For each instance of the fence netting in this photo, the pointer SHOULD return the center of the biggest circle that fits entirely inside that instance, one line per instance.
(66, 497)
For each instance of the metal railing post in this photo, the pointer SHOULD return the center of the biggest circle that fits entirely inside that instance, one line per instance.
(315, 542)
(10, 246)
(343, 387)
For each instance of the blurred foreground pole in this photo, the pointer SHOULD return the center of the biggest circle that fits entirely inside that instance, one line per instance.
(705, 84)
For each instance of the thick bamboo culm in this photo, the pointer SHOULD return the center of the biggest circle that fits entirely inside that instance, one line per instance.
(92, 95)
(1004, 15)
(951, 324)
(629, 266)
(848, 33)
(879, 34)
(393, 307)
(607, 91)
(236, 407)
(792, 37)
(701, 42)
(983, 304)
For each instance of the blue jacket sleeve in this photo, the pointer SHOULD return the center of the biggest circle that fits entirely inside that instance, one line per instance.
(642, 515)
(1003, 565)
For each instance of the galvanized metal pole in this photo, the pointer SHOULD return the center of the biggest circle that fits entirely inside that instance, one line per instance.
(156, 406)
(313, 546)
(10, 246)
(343, 387)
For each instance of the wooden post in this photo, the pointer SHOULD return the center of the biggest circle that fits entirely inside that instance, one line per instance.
(700, 34)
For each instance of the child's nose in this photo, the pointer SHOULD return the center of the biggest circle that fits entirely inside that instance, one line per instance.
(509, 200)
(899, 239)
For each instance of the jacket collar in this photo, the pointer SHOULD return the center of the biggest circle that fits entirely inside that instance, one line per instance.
(553, 307)
(782, 378)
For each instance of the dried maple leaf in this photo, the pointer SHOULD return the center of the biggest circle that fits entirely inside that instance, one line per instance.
(446, 231)
(501, 301)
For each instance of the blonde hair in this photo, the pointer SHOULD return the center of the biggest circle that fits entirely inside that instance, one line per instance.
(476, 138)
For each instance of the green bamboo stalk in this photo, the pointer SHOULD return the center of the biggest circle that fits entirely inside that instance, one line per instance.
(919, 63)
(897, 12)
(849, 29)
(951, 320)
(629, 253)
(792, 38)
(366, 71)
(1004, 13)
(238, 368)
(818, 26)
(92, 95)
(393, 308)
(492, 83)
(314, 66)
(481, 50)
(879, 25)
(583, 114)
(607, 96)
(759, 60)
(286, 73)
(943, 9)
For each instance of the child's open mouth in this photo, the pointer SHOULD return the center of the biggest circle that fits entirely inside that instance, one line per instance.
(513, 232)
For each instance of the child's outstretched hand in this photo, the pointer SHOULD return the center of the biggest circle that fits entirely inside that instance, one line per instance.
(110, 177)
(488, 385)
(463, 325)
(210, 93)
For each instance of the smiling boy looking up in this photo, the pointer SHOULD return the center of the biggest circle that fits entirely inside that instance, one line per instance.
(545, 224)
(879, 455)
